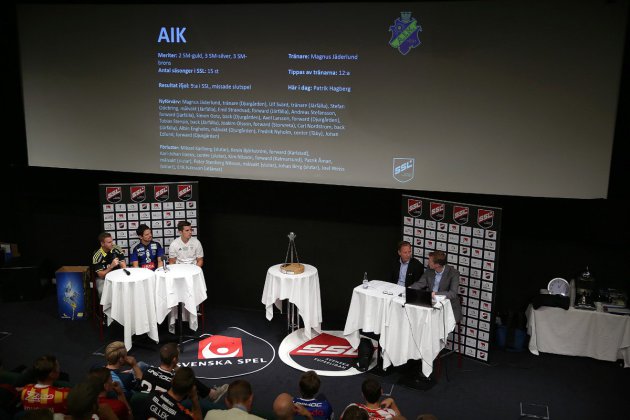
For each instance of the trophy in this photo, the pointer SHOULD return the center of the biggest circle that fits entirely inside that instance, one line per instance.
(291, 261)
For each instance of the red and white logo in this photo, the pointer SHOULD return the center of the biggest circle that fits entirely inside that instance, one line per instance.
(437, 210)
(160, 192)
(184, 192)
(414, 207)
(460, 214)
(485, 218)
(138, 193)
(220, 346)
(113, 194)
(325, 345)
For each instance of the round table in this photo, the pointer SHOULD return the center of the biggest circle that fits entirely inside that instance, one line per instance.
(181, 283)
(129, 299)
(301, 290)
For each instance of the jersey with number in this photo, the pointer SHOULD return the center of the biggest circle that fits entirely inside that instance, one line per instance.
(156, 379)
(50, 397)
(161, 406)
(319, 408)
(147, 255)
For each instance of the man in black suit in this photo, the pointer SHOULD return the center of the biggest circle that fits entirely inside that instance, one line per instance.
(406, 270)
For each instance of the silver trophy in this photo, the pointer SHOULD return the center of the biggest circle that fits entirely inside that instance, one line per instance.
(291, 260)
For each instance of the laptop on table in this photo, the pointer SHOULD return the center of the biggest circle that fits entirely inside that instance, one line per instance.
(418, 297)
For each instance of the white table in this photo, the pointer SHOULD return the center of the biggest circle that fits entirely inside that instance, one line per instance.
(406, 332)
(183, 283)
(302, 290)
(577, 332)
(130, 301)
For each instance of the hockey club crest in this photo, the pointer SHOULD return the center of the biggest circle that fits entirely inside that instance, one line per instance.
(460, 214)
(403, 169)
(184, 192)
(405, 33)
(160, 192)
(437, 211)
(138, 193)
(113, 194)
(485, 218)
(414, 207)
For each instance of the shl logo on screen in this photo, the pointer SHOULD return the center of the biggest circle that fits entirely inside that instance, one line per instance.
(403, 169)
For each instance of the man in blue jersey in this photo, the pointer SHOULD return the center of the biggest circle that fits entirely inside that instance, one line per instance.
(148, 253)
(317, 405)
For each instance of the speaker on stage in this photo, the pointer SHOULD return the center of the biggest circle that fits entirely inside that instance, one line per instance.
(366, 350)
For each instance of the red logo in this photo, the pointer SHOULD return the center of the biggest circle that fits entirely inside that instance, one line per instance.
(437, 211)
(485, 218)
(414, 207)
(184, 192)
(160, 192)
(138, 193)
(460, 214)
(325, 345)
(220, 346)
(113, 194)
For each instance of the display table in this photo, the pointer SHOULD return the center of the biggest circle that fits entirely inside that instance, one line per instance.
(181, 283)
(406, 331)
(577, 332)
(130, 301)
(302, 290)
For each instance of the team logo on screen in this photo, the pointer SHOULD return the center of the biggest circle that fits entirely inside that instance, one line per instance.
(160, 192)
(414, 207)
(184, 192)
(405, 33)
(138, 193)
(460, 214)
(113, 194)
(485, 218)
(403, 169)
(437, 210)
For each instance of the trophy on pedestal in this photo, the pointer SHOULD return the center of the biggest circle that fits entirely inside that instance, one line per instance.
(291, 261)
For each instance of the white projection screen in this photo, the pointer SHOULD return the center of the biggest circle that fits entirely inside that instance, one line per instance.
(491, 97)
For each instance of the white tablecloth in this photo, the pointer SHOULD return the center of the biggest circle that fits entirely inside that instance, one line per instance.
(406, 332)
(130, 301)
(181, 283)
(577, 332)
(301, 290)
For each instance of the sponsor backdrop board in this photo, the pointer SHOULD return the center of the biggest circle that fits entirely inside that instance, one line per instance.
(161, 206)
(469, 235)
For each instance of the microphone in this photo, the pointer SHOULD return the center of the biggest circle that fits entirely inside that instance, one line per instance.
(126, 271)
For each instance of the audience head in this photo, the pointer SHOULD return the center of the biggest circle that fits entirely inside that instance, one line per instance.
(101, 378)
(404, 251)
(239, 392)
(354, 412)
(183, 382)
(46, 368)
(169, 355)
(283, 406)
(40, 414)
(114, 352)
(309, 384)
(83, 401)
(371, 390)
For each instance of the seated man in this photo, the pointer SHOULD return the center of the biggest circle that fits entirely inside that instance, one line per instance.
(107, 258)
(372, 393)
(441, 279)
(160, 378)
(239, 401)
(167, 405)
(285, 409)
(318, 406)
(83, 404)
(43, 394)
(407, 269)
(101, 378)
(148, 253)
(117, 362)
(185, 249)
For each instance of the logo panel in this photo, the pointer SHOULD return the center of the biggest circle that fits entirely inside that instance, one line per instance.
(485, 218)
(460, 214)
(113, 194)
(160, 192)
(405, 33)
(437, 210)
(219, 346)
(184, 192)
(403, 170)
(138, 193)
(414, 207)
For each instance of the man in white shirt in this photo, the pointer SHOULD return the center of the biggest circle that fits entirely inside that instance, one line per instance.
(185, 249)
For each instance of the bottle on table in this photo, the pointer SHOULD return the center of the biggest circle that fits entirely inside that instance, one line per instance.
(365, 280)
